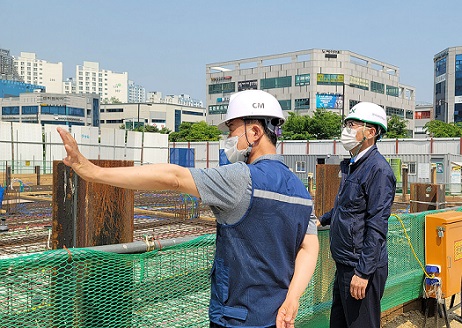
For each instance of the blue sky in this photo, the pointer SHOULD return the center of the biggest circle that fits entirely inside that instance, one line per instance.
(165, 45)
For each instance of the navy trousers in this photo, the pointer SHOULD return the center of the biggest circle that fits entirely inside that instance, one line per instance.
(348, 312)
(214, 325)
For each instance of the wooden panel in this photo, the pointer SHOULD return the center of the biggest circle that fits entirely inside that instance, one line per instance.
(327, 184)
(90, 214)
(426, 197)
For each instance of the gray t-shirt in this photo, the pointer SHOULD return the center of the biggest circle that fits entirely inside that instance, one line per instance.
(227, 190)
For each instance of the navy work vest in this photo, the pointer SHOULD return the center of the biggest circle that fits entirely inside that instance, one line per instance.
(255, 258)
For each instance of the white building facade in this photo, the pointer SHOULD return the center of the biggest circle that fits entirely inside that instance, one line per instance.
(37, 71)
(304, 81)
(89, 78)
(51, 108)
(161, 114)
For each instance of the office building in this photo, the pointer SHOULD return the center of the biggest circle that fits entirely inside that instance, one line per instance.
(163, 112)
(51, 108)
(304, 81)
(448, 85)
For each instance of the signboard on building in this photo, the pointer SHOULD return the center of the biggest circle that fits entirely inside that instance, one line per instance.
(359, 82)
(303, 79)
(329, 101)
(220, 78)
(330, 79)
(440, 78)
(247, 85)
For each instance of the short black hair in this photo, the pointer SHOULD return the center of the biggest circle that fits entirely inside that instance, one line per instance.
(270, 134)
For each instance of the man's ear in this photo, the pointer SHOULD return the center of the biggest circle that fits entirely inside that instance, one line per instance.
(374, 135)
(257, 132)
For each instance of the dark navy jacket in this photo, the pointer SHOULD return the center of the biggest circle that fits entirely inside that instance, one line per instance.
(255, 258)
(359, 219)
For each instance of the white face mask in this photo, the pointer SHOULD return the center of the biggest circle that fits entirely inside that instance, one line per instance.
(235, 155)
(348, 139)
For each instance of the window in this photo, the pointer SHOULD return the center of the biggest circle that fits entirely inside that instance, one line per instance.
(440, 67)
(395, 111)
(188, 112)
(422, 115)
(29, 110)
(440, 88)
(300, 166)
(285, 104)
(392, 91)
(222, 88)
(10, 110)
(177, 119)
(115, 110)
(411, 166)
(458, 74)
(377, 87)
(353, 103)
(276, 82)
(303, 103)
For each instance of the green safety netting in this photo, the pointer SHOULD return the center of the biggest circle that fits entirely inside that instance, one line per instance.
(170, 287)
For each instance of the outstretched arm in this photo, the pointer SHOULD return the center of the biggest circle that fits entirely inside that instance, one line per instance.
(305, 263)
(146, 177)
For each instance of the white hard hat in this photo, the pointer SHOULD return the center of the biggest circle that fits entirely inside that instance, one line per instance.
(370, 113)
(256, 104)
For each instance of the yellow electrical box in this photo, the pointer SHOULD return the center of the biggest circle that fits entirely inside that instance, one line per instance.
(443, 252)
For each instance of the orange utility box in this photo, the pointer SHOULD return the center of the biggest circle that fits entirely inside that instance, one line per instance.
(443, 252)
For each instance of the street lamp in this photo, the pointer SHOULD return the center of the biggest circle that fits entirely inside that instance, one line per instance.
(138, 116)
(142, 138)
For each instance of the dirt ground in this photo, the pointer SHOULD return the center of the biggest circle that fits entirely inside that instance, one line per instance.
(415, 319)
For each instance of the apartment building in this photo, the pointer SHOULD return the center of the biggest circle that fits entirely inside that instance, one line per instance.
(40, 72)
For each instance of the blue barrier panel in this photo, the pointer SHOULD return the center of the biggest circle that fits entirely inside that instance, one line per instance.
(2, 191)
(182, 156)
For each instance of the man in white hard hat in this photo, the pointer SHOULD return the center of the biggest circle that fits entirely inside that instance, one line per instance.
(267, 245)
(359, 221)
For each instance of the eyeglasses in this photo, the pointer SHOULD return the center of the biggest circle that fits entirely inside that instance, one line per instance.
(354, 124)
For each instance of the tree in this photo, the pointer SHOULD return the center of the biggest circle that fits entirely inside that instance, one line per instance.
(113, 100)
(396, 128)
(199, 131)
(323, 125)
(440, 129)
(296, 128)
(149, 128)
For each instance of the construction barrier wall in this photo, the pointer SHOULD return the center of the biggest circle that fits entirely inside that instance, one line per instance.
(170, 287)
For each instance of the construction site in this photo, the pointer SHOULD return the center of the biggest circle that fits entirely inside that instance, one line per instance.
(26, 215)
(113, 258)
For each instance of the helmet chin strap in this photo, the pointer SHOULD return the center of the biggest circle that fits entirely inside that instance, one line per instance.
(249, 148)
